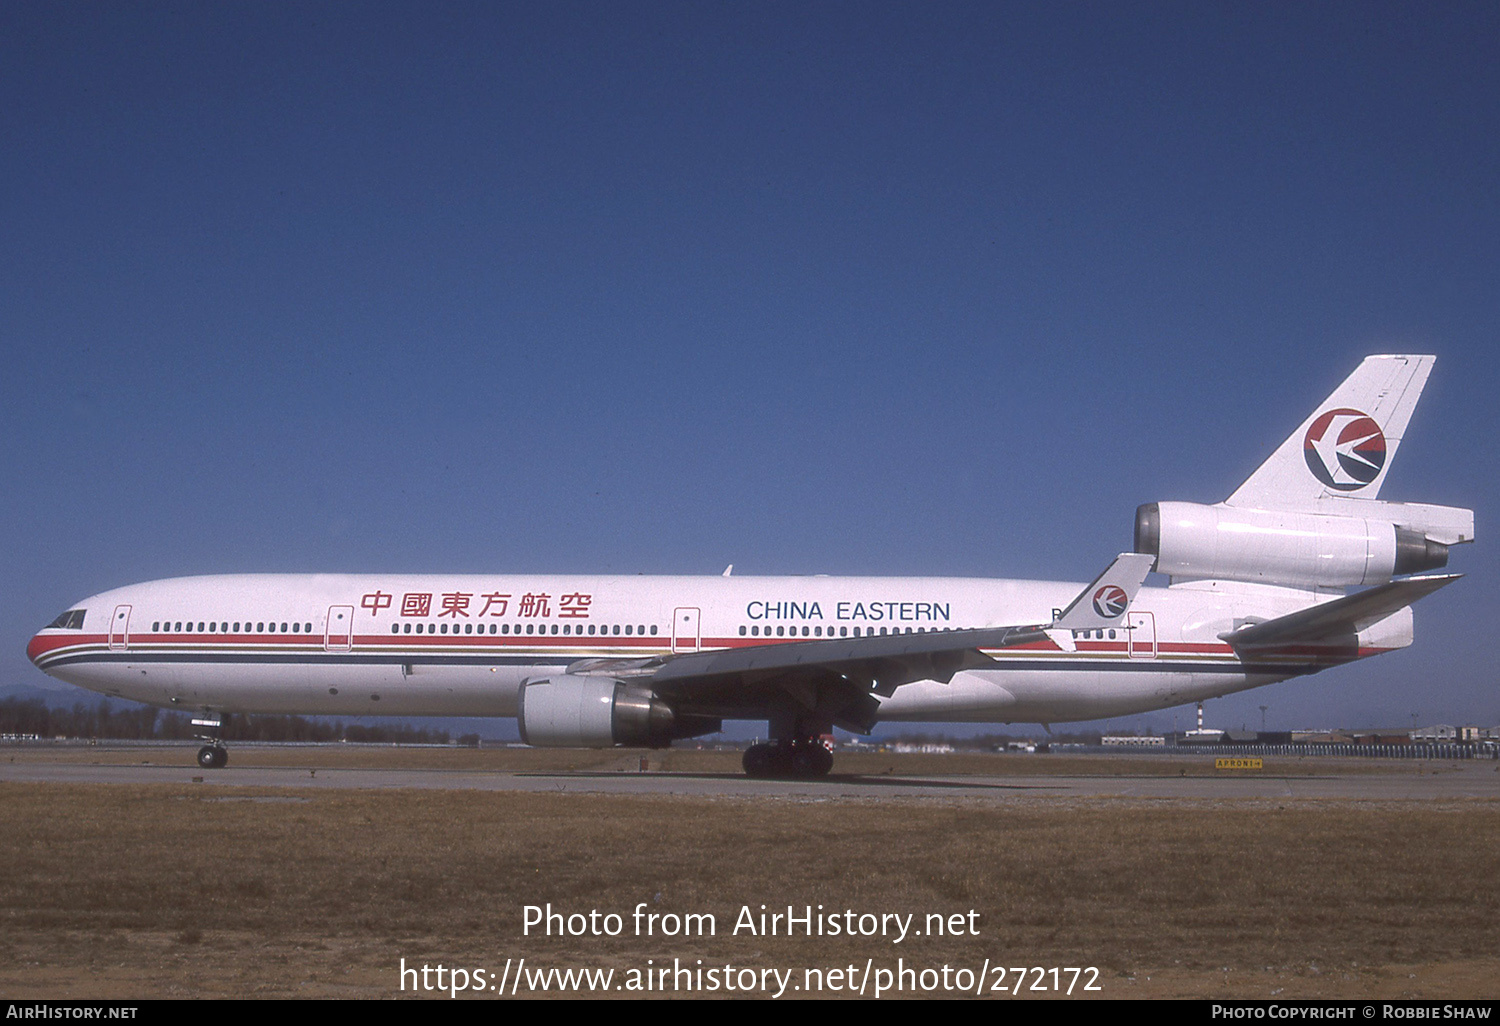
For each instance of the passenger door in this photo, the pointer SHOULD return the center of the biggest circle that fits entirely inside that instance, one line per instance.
(339, 636)
(119, 629)
(1141, 632)
(685, 631)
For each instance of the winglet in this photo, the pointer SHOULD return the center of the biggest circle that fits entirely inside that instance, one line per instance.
(1104, 602)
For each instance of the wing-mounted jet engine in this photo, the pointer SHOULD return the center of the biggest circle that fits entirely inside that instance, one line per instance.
(573, 711)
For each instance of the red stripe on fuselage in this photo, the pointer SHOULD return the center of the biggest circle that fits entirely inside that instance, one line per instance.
(43, 644)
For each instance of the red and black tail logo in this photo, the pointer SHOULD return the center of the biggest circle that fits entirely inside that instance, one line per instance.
(1345, 449)
(1110, 601)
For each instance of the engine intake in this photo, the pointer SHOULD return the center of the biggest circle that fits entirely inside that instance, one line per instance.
(1196, 542)
(599, 712)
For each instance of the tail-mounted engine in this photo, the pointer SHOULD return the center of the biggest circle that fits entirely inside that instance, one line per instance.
(1314, 550)
(570, 711)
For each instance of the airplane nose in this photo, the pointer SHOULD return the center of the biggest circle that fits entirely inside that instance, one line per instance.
(35, 649)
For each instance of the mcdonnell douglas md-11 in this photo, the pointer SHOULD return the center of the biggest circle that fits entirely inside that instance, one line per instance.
(1257, 594)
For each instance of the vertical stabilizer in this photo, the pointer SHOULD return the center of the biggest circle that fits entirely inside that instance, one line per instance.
(1346, 447)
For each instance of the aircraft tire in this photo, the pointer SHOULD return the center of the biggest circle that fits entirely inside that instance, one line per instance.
(760, 761)
(810, 760)
(804, 762)
(822, 760)
(213, 757)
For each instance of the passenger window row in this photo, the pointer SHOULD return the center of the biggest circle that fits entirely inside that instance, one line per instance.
(755, 630)
(225, 627)
(818, 632)
(531, 628)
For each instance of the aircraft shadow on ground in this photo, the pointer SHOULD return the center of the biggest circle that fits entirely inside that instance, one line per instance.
(833, 779)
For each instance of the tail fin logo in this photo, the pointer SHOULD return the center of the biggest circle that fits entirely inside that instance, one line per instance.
(1110, 601)
(1345, 449)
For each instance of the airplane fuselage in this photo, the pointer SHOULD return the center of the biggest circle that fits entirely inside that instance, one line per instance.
(463, 645)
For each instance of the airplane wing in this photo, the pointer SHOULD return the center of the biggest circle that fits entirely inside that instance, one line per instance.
(839, 677)
(1340, 619)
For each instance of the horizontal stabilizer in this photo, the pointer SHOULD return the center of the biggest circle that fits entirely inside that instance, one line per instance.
(1340, 618)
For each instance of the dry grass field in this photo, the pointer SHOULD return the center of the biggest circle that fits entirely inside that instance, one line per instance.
(199, 891)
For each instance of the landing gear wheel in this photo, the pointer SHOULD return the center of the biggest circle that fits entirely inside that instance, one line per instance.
(822, 760)
(810, 759)
(803, 762)
(213, 757)
(798, 760)
(760, 761)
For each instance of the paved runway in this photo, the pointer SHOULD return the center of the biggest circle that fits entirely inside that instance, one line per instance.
(1436, 781)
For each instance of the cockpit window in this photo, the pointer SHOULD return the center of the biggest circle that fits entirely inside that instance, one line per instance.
(71, 620)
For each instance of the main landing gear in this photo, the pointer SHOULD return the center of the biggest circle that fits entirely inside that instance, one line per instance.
(803, 758)
(213, 756)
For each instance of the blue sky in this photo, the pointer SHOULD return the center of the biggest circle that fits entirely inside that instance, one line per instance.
(811, 288)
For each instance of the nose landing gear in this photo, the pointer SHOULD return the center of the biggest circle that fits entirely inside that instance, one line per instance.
(212, 755)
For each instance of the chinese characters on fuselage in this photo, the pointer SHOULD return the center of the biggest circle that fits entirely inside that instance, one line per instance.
(458, 604)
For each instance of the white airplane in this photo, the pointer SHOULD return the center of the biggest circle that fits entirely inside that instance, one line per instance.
(1256, 596)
